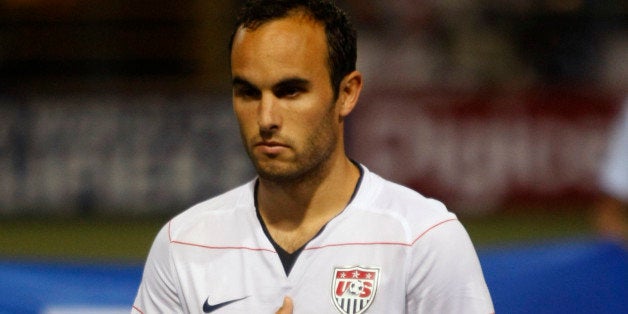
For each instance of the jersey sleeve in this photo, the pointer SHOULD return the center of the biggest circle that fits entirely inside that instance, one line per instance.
(158, 289)
(446, 273)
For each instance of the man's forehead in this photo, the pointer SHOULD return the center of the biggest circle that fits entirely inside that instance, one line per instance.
(284, 43)
(299, 26)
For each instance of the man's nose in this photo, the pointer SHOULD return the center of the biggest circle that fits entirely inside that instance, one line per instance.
(268, 118)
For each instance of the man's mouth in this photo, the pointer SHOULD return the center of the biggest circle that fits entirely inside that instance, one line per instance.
(270, 147)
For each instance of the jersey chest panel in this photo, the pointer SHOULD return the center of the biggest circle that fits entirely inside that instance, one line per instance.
(316, 283)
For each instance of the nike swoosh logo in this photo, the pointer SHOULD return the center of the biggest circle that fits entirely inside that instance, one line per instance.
(208, 308)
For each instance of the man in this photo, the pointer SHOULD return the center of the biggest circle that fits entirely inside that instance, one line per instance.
(315, 232)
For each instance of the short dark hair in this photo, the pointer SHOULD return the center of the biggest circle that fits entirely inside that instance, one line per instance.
(340, 34)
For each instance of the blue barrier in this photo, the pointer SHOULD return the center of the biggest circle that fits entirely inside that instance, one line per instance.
(585, 276)
(54, 287)
(577, 276)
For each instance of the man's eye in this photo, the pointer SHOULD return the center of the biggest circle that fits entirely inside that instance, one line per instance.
(288, 92)
(246, 92)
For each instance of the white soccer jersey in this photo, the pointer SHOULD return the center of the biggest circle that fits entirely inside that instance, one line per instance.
(390, 251)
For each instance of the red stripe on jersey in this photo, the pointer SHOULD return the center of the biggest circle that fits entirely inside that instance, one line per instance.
(222, 247)
(214, 247)
(383, 243)
(432, 227)
(309, 248)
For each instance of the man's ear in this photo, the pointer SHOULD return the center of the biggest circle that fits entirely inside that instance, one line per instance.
(349, 92)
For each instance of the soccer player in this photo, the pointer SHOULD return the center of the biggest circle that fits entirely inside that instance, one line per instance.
(315, 232)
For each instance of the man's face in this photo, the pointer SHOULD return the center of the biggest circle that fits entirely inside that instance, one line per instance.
(283, 98)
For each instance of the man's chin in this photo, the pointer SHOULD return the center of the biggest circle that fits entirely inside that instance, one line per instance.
(272, 173)
(277, 172)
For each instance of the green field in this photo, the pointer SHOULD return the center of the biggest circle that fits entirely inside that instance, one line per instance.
(128, 239)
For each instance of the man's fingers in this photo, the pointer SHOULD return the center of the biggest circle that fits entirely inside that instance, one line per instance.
(286, 307)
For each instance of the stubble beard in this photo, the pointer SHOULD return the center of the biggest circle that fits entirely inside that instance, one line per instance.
(309, 165)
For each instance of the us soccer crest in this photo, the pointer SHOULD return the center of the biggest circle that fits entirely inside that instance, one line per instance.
(353, 288)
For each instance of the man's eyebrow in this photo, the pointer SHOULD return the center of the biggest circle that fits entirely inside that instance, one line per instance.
(240, 81)
(293, 82)
(288, 82)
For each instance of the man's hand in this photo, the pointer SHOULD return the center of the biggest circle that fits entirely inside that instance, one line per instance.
(286, 307)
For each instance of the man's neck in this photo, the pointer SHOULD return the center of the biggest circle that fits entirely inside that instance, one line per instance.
(294, 213)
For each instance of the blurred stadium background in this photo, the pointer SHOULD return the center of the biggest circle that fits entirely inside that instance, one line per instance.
(115, 115)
